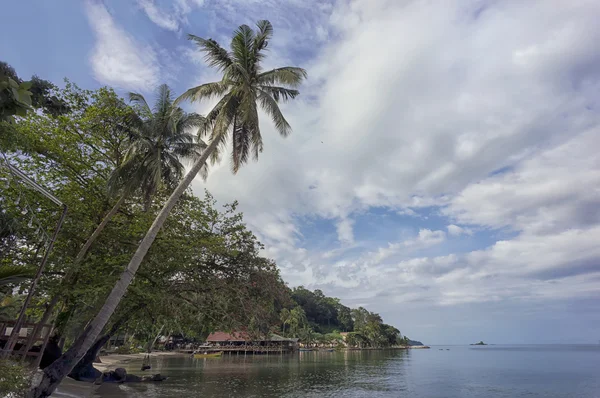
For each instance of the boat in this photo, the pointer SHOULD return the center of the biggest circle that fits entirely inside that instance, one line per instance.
(305, 349)
(198, 355)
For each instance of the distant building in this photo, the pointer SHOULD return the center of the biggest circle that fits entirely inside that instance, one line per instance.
(242, 341)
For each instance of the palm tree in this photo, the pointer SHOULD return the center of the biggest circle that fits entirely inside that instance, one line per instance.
(297, 321)
(243, 86)
(284, 317)
(160, 139)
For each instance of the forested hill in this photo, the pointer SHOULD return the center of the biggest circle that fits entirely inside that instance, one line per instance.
(315, 315)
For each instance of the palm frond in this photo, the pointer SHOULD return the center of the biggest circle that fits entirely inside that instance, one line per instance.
(237, 73)
(249, 116)
(164, 101)
(261, 41)
(289, 76)
(257, 143)
(189, 121)
(14, 274)
(139, 101)
(280, 93)
(270, 106)
(240, 145)
(204, 91)
(241, 46)
(222, 122)
(215, 55)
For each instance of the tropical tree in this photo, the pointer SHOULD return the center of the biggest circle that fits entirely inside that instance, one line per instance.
(284, 316)
(297, 321)
(160, 139)
(243, 87)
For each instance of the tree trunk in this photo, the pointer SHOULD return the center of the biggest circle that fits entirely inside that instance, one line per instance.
(84, 368)
(56, 372)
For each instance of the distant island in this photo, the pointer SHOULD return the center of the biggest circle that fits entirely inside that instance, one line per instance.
(480, 343)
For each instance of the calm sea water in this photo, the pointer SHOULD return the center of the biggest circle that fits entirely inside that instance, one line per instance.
(454, 371)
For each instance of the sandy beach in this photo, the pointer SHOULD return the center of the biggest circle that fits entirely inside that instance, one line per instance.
(113, 361)
(70, 388)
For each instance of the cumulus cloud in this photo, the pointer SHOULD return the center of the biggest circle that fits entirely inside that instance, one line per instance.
(486, 118)
(117, 58)
(455, 230)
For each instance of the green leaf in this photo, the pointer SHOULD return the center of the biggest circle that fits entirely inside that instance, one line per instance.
(26, 85)
(24, 97)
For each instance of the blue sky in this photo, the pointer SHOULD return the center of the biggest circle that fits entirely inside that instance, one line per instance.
(444, 167)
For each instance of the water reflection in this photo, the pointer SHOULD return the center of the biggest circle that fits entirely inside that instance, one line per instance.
(454, 372)
(348, 374)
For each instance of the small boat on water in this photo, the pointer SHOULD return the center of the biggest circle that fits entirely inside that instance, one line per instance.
(305, 349)
(198, 355)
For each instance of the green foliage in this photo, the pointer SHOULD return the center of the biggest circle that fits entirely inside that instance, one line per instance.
(15, 98)
(14, 379)
(160, 139)
(18, 97)
(324, 317)
(323, 313)
(14, 274)
(204, 271)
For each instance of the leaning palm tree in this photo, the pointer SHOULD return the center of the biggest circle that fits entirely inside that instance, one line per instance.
(243, 88)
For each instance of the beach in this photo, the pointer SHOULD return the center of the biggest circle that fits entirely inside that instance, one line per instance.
(70, 388)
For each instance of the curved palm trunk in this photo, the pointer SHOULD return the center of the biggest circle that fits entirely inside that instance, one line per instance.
(56, 372)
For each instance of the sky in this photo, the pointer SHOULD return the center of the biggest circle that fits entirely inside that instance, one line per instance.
(444, 166)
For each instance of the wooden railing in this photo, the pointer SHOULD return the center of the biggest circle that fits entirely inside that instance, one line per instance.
(30, 334)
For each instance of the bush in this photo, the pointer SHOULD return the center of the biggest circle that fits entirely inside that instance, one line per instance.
(14, 379)
(128, 350)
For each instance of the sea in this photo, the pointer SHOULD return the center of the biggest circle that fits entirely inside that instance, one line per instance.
(507, 371)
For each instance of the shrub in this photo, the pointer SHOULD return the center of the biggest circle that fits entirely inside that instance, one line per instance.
(14, 379)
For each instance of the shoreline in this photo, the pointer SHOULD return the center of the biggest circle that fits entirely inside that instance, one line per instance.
(70, 388)
(113, 361)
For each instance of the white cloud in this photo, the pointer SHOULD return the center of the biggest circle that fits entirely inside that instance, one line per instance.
(491, 120)
(455, 230)
(160, 17)
(344, 230)
(117, 58)
(553, 191)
